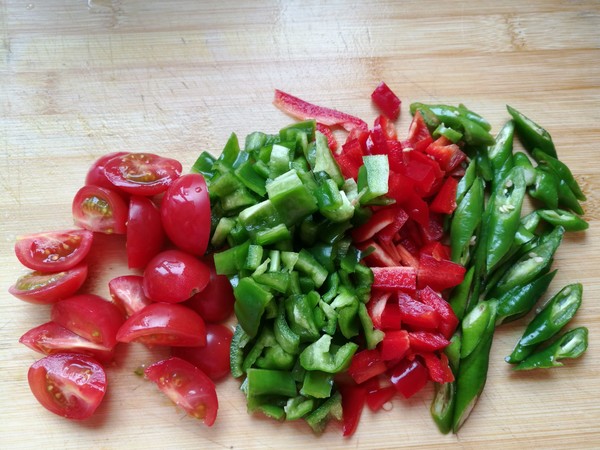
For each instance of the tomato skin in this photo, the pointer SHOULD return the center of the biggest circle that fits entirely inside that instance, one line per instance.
(187, 386)
(127, 293)
(142, 173)
(99, 209)
(212, 359)
(47, 288)
(90, 317)
(174, 276)
(51, 338)
(69, 385)
(96, 176)
(185, 211)
(53, 251)
(145, 235)
(164, 324)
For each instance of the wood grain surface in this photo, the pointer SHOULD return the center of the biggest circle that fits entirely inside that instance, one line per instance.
(79, 79)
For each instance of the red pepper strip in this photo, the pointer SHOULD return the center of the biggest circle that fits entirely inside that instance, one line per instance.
(395, 344)
(389, 232)
(406, 257)
(417, 209)
(383, 131)
(391, 318)
(439, 274)
(303, 110)
(376, 306)
(331, 140)
(390, 249)
(418, 133)
(409, 377)
(380, 220)
(437, 250)
(424, 341)
(438, 367)
(417, 314)
(378, 257)
(394, 278)
(447, 154)
(378, 396)
(401, 187)
(366, 364)
(353, 402)
(350, 158)
(445, 200)
(385, 99)
(449, 320)
(434, 232)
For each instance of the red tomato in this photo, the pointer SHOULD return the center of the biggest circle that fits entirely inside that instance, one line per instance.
(164, 324)
(47, 288)
(142, 173)
(187, 386)
(409, 377)
(68, 385)
(213, 359)
(145, 235)
(100, 209)
(185, 211)
(96, 176)
(128, 293)
(174, 276)
(90, 317)
(215, 302)
(53, 251)
(51, 338)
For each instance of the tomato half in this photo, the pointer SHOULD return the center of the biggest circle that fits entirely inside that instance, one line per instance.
(96, 175)
(90, 317)
(100, 209)
(51, 338)
(164, 324)
(46, 288)
(213, 358)
(128, 293)
(68, 385)
(187, 386)
(142, 173)
(145, 235)
(185, 211)
(53, 251)
(173, 276)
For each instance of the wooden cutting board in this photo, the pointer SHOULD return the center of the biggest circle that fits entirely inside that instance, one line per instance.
(79, 80)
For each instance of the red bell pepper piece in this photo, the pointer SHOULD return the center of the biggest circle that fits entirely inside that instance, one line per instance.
(417, 314)
(376, 306)
(438, 367)
(425, 341)
(379, 220)
(385, 99)
(417, 209)
(406, 257)
(383, 131)
(378, 257)
(446, 153)
(439, 274)
(409, 377)
(331, 140)
(389, 232)
(379, 396)
(303, 110)
(419, 136)
(350, 158)
(353, 402)
(437, 250)
(400, 187)
(434, 231)
(395, 344)
(445, 200)
(391, 318)
(394, 278)
(366, 364)
(449, 320)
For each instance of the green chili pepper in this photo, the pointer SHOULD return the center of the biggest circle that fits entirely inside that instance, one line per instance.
(530, 221)
(465, 222)
(442, 406)
(500, 153)
(567, 199)
(452, 351)
(570, 345)
(520, 159)
(532, 135)
(466, 181)
(460, 294)
(449, 133)
(474, 326)
(565, 219)
(549, 321)
(484, 167)
(545, 188)
(561, 170)
(466, 112)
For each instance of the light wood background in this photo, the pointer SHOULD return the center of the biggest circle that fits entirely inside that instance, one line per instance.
(79, 79)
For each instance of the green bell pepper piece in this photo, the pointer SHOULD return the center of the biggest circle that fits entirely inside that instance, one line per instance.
(321, 355)
(251, 299)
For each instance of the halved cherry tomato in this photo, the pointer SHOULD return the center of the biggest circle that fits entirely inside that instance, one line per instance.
(90, 317)
(187, 386)
(185, 211)
(47, 288)
(145, 235)
(142, 173)
(212, 359)
(173, 276)
(51, 338)
(67, 384)
(128, 293)
(96, 175)
(100, 209)
(164, 324)
(53, 251)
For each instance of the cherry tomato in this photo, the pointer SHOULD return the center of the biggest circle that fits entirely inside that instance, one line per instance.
(53, 251)
(100, 209)
(90, 317)
(47, 288)
(187, 386)
(212, 359)
(51, 338)
(96, 176)
(185, 211)
(164, 324)
(68, 385)
(215, 302)
(174, 276)
(128, 293)
(145, 235)
(142, 173)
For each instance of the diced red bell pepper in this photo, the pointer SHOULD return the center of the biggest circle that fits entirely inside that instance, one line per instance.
(422, 170)
(376, 398)
(394, 278)
(445, 200)
(438, 367)
(350, 158)
(406, 257)
(395, 344)
(409, 377)
(395, 156)
(379, 220)
(366, 364)
(449, 320)
(434, 231)
(361, 135)
(385, 99)
(446, 153)
(425, 341)
(439, 274)
(417, 209)
(400, 187)
(437, 250)
(331, 140)
(418, 133)
(390, 318)
(378, 257)
(389, 232)
(353, 402)
(303, 110)
(383, 131)
(417, 314)
(376, 306)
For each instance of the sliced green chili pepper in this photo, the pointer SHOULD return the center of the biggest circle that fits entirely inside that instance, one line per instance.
(530, 221)
(449, 133)
(565, 219)
(461, 293)
(567, 199)
(520, 159)
(561, 170)
(442, 406)
(500, 153)
(474, 326)
(570, 345)
(466, 181)
(465, 222)
(545, 188)
(532, 135)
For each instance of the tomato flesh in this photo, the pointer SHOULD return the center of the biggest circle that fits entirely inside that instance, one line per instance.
(128, 293)
(145, 235)
(100, 209)
(96, 175)
(46, 288)
(187, 386)
(69, 385)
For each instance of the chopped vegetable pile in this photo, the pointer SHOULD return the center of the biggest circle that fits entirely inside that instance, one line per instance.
(355, 271)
